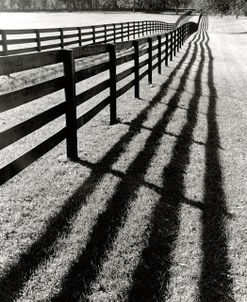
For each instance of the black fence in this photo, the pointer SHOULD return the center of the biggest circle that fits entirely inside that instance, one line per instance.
(145, 53)
(18, 41)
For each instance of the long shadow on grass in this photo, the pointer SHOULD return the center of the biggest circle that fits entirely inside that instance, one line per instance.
(216, 281)
(152, 276)
(78, 280)
(15, 277)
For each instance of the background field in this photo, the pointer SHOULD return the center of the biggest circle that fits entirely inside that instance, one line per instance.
(44, 20)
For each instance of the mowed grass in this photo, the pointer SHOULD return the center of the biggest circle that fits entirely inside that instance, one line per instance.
(66, 19)
(154, 208)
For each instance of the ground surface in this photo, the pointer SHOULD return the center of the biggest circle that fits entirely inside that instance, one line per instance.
(155, 209)
(44, 20)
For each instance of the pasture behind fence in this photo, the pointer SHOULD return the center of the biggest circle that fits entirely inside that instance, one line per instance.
(145, 53)
(17, 41)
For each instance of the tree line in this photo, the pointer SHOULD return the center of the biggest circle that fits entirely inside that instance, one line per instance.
(209, 6)
(80, 5)
(236, 7)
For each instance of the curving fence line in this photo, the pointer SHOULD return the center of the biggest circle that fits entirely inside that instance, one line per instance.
(146, 55)
(17, 41)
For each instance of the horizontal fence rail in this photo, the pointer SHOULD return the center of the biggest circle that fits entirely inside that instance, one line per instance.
(17, 41)
(145, 55)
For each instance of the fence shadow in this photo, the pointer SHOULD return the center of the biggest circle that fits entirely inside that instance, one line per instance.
(109, 222)
(216, 281)
(17, 275)
(152, 276)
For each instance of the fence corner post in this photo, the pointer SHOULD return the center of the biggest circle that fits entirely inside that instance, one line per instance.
(136, 67)
(113, 83)
(159, 54)
(71, 120)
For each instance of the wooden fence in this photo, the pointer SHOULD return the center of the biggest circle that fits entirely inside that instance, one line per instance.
(158, 49)
(17, 41)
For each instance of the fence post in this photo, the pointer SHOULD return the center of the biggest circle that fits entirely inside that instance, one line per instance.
(181, 37)
(105, 33)
(175, 42)
(134, 30)
(79, 36)
(61, 38)
(71, 126)
(113, 83)
(178, 40)
(4, 43)
(114, 33)
(159, 54)
(171, 47)
(93, 33)
(183, 34)
(136, 67)
(122, 32)
(128, 30)
(150, 61)
(167, 49)
(38, 39)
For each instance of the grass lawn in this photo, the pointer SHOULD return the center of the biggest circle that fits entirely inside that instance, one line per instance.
(154, 210)
(44, 20)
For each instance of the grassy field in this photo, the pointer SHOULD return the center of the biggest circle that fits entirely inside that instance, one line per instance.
(44, 20)
(155, 208)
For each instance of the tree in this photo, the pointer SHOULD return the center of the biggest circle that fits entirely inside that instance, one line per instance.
(178, 3)
(239, 6)
(24, 4)
(2, 5)
(108, 4)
